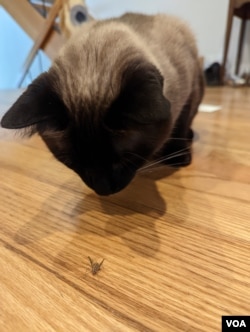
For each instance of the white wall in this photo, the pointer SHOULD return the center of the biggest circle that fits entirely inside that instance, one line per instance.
(206, 17)
(208, 25)
(14, 48)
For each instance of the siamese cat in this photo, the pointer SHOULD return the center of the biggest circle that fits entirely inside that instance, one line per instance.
(120, 93)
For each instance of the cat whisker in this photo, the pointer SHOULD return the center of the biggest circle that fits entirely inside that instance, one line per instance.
(180, 139)
(154, 166)
(157, 167)
(126, 163)
(170, 156)
(137, 156)
(175, 164)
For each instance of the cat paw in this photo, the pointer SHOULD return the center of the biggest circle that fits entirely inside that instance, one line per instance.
(190, 134)
(177, 155)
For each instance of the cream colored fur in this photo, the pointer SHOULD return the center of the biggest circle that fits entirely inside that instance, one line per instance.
(89, 67)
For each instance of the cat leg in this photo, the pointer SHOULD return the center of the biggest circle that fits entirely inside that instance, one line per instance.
(177, 151)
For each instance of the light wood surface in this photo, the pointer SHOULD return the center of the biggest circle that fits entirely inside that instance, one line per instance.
(176, 247)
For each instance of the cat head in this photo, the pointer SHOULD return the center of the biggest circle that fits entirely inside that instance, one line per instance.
(104, 142)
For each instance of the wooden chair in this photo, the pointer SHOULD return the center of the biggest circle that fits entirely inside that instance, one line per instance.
(241, 9)
(45, 31)
(40, 29)
(33, 24)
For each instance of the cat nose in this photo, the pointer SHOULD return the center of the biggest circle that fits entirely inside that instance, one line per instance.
(102, 186)
(99, 183)
(103, 190)
(105, 185)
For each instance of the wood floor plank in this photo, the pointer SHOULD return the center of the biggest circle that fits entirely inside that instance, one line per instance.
(175, 244)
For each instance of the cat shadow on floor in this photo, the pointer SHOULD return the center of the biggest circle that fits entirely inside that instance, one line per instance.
(86, 223)
(67, 210)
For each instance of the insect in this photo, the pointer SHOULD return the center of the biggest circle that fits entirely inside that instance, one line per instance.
(95, 267)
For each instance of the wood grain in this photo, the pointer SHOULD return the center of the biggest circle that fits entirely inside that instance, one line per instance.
(176, 246)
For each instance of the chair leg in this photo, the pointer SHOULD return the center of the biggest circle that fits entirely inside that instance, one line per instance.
(242, 34)
(227, 39)
(41, 38)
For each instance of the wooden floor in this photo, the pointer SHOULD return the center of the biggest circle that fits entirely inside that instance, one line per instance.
(176, 247)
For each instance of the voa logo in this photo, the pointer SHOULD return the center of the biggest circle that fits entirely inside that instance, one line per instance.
(235, 323)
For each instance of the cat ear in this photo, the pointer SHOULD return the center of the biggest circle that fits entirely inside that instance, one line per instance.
(38, 104)
(141, 100)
